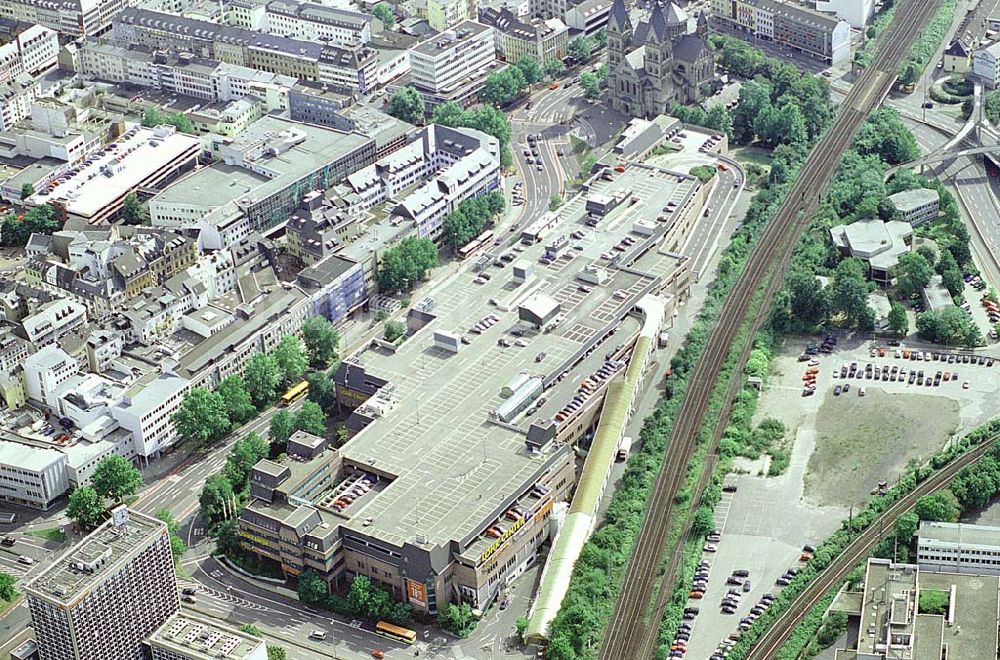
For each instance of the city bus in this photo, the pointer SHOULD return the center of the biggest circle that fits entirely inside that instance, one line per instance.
(397, 633)
(294, 393)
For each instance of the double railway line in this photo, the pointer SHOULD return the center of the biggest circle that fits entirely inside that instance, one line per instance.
(632, 632)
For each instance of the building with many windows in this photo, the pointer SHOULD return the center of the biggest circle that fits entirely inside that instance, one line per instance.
(443, 14)
(856, 12)
(453, 65)
(146, 408)
(104, 596)
(187, 637)
(316, 22)
(541, 39)
(32, 476)
(819, 35)
(26, 48)
(917, 206)
(958, 548)
(589, 16)
(73, 18)
(986, 65)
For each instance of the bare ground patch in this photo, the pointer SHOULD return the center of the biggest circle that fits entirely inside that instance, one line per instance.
(863, 440)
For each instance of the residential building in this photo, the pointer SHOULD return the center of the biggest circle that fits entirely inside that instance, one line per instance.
(547, 9)
(51, 321)
(917, 206)
(453, 65)
(878, 244)
(73, 18)
(46, 372)
(320, 107)
(944, 547)
(819, 35)
(143, 158)
(106, 594)
(316, 22)
(540, 40)
(146, 409)
(986, 65)
(26, 48)
(857, 13)
(16, 97)
(351, 68)
(261, 180)
(31, 476)
(187, 637)
(957, 57)
(891, 624)
(657, 63)
(588, 17)
(227, 119)
(444, 14)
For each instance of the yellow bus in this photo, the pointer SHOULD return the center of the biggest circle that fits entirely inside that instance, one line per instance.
(294, 393)
(395, 632)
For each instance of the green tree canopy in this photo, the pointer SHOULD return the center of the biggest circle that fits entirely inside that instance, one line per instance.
(277, 653)
(899, 324)
(133, 212)
(310, 418)
(849, 294)
(251, 630)
(407, 105)
(530, 69)
(262, 377)
(384, 12)
(282, 427)
(913, 273)
(202, 417)
(15, 231)
(177, 545)
(85, 507)
(406, 263)
(501, 87)
(312, 588)
(27, 190)
(321, 340)
(236, 400)
(394, 330)
(116, 478)
(245, 453)
(457, 619)
(937, 507)
(580, 48)
(291, 360)
(553, 67)
(7, 587)
(321, 389)
(217, 498)
(591, 87)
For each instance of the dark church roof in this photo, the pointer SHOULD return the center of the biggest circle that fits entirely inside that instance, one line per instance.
(619, 14)
(689, 48)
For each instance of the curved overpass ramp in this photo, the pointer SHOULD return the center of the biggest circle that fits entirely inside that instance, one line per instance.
(582, 518)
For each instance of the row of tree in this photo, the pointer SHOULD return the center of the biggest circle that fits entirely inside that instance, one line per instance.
(114, 479)
(226, 492)
(470, 218)
(405, 264)
(365, 599)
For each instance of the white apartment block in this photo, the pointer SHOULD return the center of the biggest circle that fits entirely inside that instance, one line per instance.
(69, 17)
(315, 22)
(46, 373)
(31, 476)
(445, 63)
(958, 548)
(986, 65)
(51, 321)
(31, 51)
(145, 411)
(443, 14)
(16, 97)
(856, 12)
(104, 596)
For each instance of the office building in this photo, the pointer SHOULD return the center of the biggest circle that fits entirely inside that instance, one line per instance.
(878, 244)
(32, 476)
(857, 13)
(444, 14)
(316, 22)
(589, 16)
(106, 594)
(26, 48)
(986, 65)
(453, 65)
(657, 63)
(890, 625)
(146, 408)
(187, 637)
(73, 18)
(917, 206)
(16, 97)
(46, 372)
(819, 35)
(958, 548)
(350, 68)
(541, 39)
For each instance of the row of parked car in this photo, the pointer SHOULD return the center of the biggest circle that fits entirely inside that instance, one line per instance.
(356, 490)
(589, 386)
(933, 356)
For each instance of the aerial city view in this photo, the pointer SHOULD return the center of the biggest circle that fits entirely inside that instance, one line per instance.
(499, 329)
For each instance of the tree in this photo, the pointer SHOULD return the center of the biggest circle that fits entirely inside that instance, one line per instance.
(310, 418)
(899, 324)
(27, 190)
(384, 12)
(553, 67)
(281, 428)
(17, 230)
(251, 630)
(407, 105)
(236, 400)
(277, 653)
(177, 545)
(809, 302)
(321, 340)
(457, 619)
(227, 538)
(116, 478)
(312, 588)
(133, 212)
(555, 201)
(580, 49)
(720, 119)
(886, 136)
(530, 69)
(448, 114)
(850, 291)
(321, 389)
(939, 507)
(262, 377)
(952, 280)
(591, 87)
(520, 627)
(906, 526)
(406, 263)
(7, 587)
(909, 73)
(217, 499)
(202, 417)
(291, 360)
(394, 330)
(501, 87)
(359, 598)
(85, 507)
(754, 96)
(246, 452)
(703, 521)
(601, 38)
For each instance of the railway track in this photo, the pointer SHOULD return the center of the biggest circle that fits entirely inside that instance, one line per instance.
(855, 553)
(632, 632)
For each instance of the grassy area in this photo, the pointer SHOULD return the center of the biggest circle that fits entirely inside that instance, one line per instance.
(51, 534)
(846, 464)
(752, 154)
